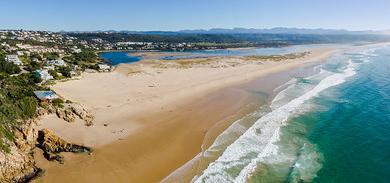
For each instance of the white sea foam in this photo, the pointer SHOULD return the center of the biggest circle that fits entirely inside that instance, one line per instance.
(258, 141)
(288, 83)
(307, 164)
(281, 96)
(295, 89)
(224, 138)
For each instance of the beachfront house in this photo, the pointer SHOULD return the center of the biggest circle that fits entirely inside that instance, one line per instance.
(46, 95)
(44, 75)
(104, 67)
(13, 59)
(57, 62)
(48, 67)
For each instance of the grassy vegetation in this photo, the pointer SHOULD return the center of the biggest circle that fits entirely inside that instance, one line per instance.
(190, 62)
(187, 63)
(276, 57)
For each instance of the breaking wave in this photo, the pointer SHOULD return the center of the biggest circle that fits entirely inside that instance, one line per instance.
(240, 159)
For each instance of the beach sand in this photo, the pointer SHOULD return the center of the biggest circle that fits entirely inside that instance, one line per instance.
(157, 118)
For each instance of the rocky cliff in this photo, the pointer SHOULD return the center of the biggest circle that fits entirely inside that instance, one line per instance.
(18, 164)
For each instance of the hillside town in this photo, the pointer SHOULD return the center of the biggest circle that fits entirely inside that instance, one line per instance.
(60, 55)
(51, 56)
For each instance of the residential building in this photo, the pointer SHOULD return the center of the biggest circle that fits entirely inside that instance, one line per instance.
(44, 75)
(13, 59)
(46, 95)
(57, 62)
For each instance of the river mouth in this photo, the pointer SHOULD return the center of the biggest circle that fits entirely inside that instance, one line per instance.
(126, 57)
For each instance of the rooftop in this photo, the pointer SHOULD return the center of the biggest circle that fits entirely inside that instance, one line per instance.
(45, 95)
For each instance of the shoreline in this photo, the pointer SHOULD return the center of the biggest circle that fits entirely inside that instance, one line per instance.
(140, 120)
(194, 166)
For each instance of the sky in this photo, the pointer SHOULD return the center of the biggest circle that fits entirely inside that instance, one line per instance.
(171, 15)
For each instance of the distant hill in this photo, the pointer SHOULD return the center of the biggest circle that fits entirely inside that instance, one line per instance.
(277, 30)
(386, 32)
(231, 37)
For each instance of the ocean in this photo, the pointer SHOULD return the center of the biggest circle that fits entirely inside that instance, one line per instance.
(332, 126)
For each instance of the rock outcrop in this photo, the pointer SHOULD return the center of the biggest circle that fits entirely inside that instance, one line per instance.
(66, 114)
(18, 164)
(52, 145)
(83, 113)
(72, 111)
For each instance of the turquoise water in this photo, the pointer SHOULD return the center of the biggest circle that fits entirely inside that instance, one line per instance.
(353, 133)
(343, 134)
(333, 126)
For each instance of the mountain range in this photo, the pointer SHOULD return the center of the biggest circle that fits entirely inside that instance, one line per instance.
(276, 30)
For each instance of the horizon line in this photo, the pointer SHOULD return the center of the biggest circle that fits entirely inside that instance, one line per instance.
(198, 29)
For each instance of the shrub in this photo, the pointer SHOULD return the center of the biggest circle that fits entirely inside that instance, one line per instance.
(28, 107)
(65, 71)
(58, 103)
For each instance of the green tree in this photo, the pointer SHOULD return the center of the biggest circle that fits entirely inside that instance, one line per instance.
(34, 78)
(65, 71)
(51, 56)
(9, 68)
(54, 74)
(86, 56)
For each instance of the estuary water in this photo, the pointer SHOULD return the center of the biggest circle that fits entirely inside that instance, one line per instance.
(115, 58)
(333, 126)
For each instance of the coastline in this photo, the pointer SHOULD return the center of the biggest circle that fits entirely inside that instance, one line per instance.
(166, 127)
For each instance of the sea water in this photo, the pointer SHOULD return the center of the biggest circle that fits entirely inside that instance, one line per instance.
(333, 126)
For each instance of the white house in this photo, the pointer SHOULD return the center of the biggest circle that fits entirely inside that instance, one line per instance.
(13, 59)
(57, 62)
(44, 75)
(104, 67)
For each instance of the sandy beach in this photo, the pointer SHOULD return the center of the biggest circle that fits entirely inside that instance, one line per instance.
(151, 118)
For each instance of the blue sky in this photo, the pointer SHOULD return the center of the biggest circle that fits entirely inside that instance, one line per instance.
(86, 15)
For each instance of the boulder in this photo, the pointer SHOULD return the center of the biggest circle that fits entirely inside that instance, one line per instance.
(83, 113)
(52, 145)
(73, 110)
(66, 114)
